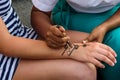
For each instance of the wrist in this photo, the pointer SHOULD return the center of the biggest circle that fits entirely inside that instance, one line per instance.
(73, 53)
(104, 27)
(69, 50)
(107, 26)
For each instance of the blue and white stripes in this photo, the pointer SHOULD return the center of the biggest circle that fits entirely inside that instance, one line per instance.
(8, 65)
(4, 6)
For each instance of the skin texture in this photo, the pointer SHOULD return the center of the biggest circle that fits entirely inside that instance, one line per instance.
(54, 70)
(41, 23)
(37, 55)
(99, 32)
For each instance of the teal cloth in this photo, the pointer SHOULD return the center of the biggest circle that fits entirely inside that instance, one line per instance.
(64, 15)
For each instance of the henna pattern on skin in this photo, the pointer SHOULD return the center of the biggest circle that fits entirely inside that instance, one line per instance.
(84, 43)
(69, 47)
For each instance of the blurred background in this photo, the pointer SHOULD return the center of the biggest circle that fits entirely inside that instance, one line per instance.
(23, 8)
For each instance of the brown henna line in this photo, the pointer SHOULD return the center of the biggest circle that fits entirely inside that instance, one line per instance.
(74, 47)
(65, 48)
(84, 45)
(69, 48)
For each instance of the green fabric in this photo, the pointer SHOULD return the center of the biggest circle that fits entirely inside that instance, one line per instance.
(64, 15)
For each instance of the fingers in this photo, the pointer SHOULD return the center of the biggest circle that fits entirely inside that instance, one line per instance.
(102, 53)
(56, 37)
(95, 38)
(54, 41)
(100, 39)
(60, 32)
(96, 62)
(52, 44)
(61, 29)
(108, 49)
(91, 38)
(105, 59)
(108, 54)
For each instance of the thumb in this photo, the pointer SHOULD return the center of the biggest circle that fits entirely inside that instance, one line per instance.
(62, 29)
(90, 38)
(100, 39)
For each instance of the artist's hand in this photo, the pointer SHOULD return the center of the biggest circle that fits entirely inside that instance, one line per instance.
(95, 53)
(56, 37)
(97, 34)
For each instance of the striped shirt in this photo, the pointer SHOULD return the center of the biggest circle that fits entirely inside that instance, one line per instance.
(8, 65)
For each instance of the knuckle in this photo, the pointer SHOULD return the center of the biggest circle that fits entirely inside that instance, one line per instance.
(96, 45)
(47, 34)
(93, 35)
(107, 53)
(89, 58)
(65, 39)
(99, 64)
(104, 58)
(108, 48)
(52, 28)
(59, 40)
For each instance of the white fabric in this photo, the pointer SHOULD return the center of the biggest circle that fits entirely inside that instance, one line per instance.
(88, 6)
(44, 5)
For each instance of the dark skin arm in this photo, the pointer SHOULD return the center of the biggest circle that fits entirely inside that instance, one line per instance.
(41, 23)
(99, 32)
(113, 21)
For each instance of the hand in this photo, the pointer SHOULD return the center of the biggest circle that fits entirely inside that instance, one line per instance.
(95, 53)
(56, 37)
(97, 34)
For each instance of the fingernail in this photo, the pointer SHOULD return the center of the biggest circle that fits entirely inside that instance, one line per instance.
(103, 67)
(58, 26)
(112, 64)
(115, 55)
(115, 61)
(85, 41)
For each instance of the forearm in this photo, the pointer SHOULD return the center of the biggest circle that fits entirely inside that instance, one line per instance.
(40, 21)
(112, 22)
(25, 48)
(29, 49)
